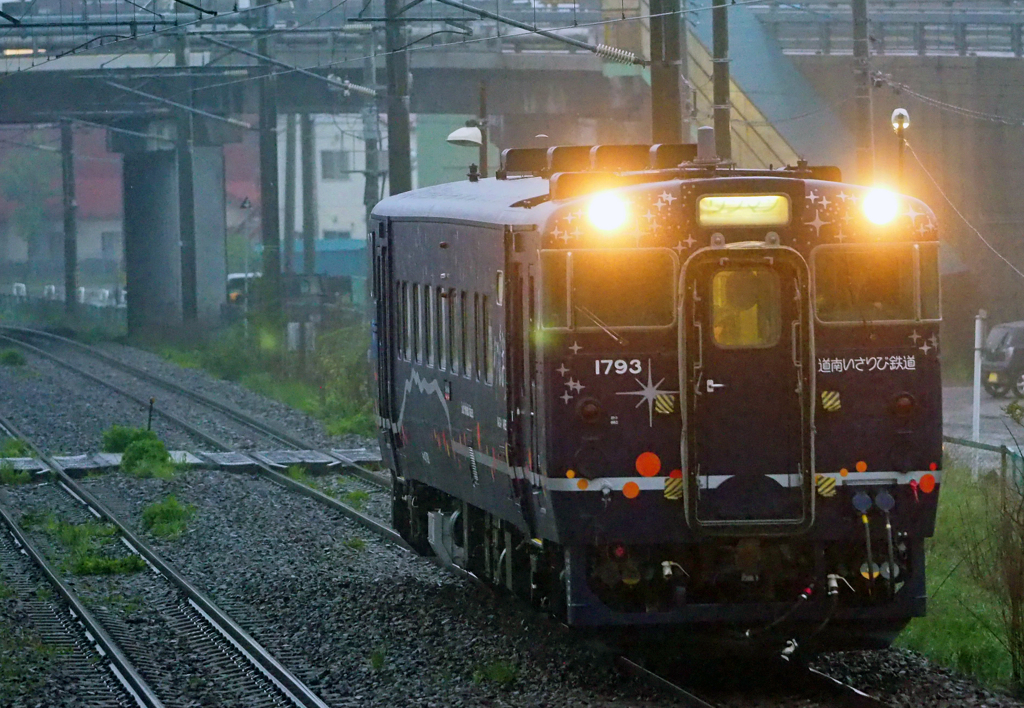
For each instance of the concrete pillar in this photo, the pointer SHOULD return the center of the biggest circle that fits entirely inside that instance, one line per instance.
(153, 237)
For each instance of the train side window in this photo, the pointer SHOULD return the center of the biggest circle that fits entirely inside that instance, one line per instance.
(407, 306)
(477, 337)
(499, 288)
(442, 329)
(487, 336)
(554, 276)
(453, 332)
(746, 307)
(432, 324)
(417, 336)
(928, 267)
(464, 340)
(399, 320)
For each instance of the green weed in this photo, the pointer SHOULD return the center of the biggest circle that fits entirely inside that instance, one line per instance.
(85, 543)
(168, 518)
(962, 627)
(9, 475)
(356, 498)
(13, 447)
(5, 592)
(378, 657)
(117, 438)
(355, 543)
(503, 673)
(12, 357)
(148, 457)
(298, 473)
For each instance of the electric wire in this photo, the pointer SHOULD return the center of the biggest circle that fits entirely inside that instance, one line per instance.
(900, 87)
(963, 218)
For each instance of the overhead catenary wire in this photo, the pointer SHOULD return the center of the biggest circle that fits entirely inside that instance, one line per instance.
(963, 218)
(900, 87)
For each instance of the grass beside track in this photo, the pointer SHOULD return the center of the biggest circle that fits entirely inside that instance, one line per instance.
(963, 627)
(334, 388)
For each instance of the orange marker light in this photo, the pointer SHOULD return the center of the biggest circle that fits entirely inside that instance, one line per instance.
(927, 484)
(675, 474)
(933, 467)
(862, 466)
(648, 464)
(631, 490)
(843, 472)
(582, 485)
(570, 473)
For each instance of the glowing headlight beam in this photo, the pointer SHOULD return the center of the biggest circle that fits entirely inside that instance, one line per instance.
(608, 211)
(880, 206)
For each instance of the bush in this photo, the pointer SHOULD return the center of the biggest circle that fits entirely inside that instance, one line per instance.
(13, 447)
(168, 518)
(12, 357)
(9, 475)
(147, 457)
(117, 438)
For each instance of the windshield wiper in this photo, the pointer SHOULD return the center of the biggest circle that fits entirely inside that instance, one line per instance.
(605, 328)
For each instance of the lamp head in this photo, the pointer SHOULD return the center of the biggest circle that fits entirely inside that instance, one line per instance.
(468, 136)
(900, 119)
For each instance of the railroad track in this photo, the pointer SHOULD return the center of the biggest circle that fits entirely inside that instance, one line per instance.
(241, 669)
(810, 680)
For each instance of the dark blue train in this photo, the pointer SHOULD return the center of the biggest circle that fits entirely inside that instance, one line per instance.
(642, 389)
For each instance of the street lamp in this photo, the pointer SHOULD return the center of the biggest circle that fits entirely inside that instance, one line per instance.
(900, 122)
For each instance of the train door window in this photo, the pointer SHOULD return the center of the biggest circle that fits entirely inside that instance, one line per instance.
(488, 336)
(554, 278)
(499, 288)
(467, 365)
(928, 267)
(429, 325)
(746, 307)
(442, 329)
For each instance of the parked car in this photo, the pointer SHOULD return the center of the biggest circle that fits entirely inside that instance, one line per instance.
(1002, 360)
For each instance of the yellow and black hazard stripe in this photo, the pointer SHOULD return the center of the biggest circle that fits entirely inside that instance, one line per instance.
(826, 485)
(665, 404)
(673, 487)
(830, 401)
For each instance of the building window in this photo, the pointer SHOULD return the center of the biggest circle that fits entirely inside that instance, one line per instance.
(110, 245)
(334, 235)
(334, 164)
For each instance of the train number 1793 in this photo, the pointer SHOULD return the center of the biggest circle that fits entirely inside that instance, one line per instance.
(617, 366)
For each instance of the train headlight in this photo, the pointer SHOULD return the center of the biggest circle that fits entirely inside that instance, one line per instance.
(608, 211)
(880, 206)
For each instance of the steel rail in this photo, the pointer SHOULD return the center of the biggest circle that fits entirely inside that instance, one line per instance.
(688, 699)
(267, 429)
(120, 664)
(294, 689)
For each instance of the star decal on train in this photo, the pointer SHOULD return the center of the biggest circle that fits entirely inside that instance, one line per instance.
(648, 393)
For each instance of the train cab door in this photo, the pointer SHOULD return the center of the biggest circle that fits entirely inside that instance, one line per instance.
(384, 323)
(745, 357)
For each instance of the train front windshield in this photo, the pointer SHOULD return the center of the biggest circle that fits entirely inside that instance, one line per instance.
(885, 283)
(608, 288)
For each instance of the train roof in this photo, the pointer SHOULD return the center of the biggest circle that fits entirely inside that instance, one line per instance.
(487, 201)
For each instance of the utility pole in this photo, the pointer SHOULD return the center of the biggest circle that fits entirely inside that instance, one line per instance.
(70, 220)
(309, 199)
(397, 62)
(862, 70)
(686, 95)
(666, 101)
(371, 131)
(186, 189)
(482, 120)
(720, 79)
(289, 194)
(269, 216)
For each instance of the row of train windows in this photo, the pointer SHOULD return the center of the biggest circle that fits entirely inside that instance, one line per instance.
(446, 329)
